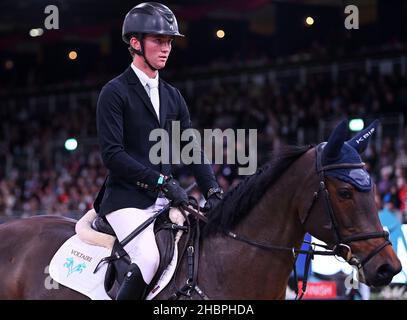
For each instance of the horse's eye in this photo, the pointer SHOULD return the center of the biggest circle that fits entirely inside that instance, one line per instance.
(345, 193)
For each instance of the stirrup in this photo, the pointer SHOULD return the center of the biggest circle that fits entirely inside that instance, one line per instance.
(133, 286)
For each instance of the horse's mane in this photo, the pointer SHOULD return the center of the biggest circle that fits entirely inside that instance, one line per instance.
(238, 202)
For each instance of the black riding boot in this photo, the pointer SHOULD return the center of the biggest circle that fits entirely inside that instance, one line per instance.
(133, 286)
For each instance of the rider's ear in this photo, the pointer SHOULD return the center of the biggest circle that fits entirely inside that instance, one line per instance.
(332, 150)
(135, 43)
(361, 140)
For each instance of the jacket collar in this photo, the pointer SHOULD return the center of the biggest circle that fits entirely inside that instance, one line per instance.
(134, 82)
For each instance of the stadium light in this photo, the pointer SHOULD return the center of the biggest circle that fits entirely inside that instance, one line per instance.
(72, 55)
(356, 124)
(36, 32)
(9, 64)
(220, 34)
(71, 144)
(309, 21)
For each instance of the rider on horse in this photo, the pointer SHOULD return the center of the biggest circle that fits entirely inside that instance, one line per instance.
(129, 107)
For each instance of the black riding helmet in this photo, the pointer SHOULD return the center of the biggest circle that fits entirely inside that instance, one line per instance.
(149, 18)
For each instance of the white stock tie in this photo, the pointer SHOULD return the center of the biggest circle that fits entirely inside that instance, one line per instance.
(152, 85)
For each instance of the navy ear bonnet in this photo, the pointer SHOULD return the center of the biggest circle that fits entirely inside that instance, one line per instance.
(358, 177)
(339, 151)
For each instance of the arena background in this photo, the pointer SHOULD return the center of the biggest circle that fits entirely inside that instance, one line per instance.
(273, 72)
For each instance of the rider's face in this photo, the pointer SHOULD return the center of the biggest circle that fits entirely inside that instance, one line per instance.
(157, 49)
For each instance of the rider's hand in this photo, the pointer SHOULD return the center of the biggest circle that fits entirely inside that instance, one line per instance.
(215, 196)
(173, 191)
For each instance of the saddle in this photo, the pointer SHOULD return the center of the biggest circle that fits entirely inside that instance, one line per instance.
(119, 261)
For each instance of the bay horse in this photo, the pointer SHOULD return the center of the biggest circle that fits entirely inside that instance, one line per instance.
(246, 248)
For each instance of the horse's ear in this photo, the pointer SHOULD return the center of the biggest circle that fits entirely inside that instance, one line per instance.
(333, 148)
(361, 140)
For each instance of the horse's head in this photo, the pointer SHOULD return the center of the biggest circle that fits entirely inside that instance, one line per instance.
(344, 213)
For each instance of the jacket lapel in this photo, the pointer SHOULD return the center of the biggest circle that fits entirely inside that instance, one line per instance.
(135, 83)
(163, 104)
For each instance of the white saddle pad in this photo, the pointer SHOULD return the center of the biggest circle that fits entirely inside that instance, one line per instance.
(73, 265)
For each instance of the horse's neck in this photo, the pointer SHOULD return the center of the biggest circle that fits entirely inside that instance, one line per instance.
(239, 270)
(274, 219)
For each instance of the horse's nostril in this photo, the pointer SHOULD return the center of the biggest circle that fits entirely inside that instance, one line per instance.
(385, 270)
(384, 274)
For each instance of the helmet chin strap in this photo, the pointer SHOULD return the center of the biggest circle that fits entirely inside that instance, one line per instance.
(142, 52)
(149, 64)
(144, 56)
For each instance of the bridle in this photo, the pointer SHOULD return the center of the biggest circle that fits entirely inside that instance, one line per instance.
(339, 248)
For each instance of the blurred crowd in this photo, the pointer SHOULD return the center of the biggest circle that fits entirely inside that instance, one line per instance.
(289, 114)
(38, 176)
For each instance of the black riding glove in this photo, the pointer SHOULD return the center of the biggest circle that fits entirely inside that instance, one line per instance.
(173, 191)
(215, 195)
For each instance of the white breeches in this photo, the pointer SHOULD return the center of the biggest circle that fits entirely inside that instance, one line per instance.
(143, 249)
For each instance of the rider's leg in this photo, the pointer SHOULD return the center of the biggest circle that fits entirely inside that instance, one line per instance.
(142, 250)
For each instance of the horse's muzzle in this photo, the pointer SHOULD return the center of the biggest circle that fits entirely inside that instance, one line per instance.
(384, 275)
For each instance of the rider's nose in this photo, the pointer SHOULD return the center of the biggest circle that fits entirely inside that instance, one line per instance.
(166, 46)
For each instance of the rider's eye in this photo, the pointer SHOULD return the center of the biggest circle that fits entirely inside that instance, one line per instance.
(345, 193)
